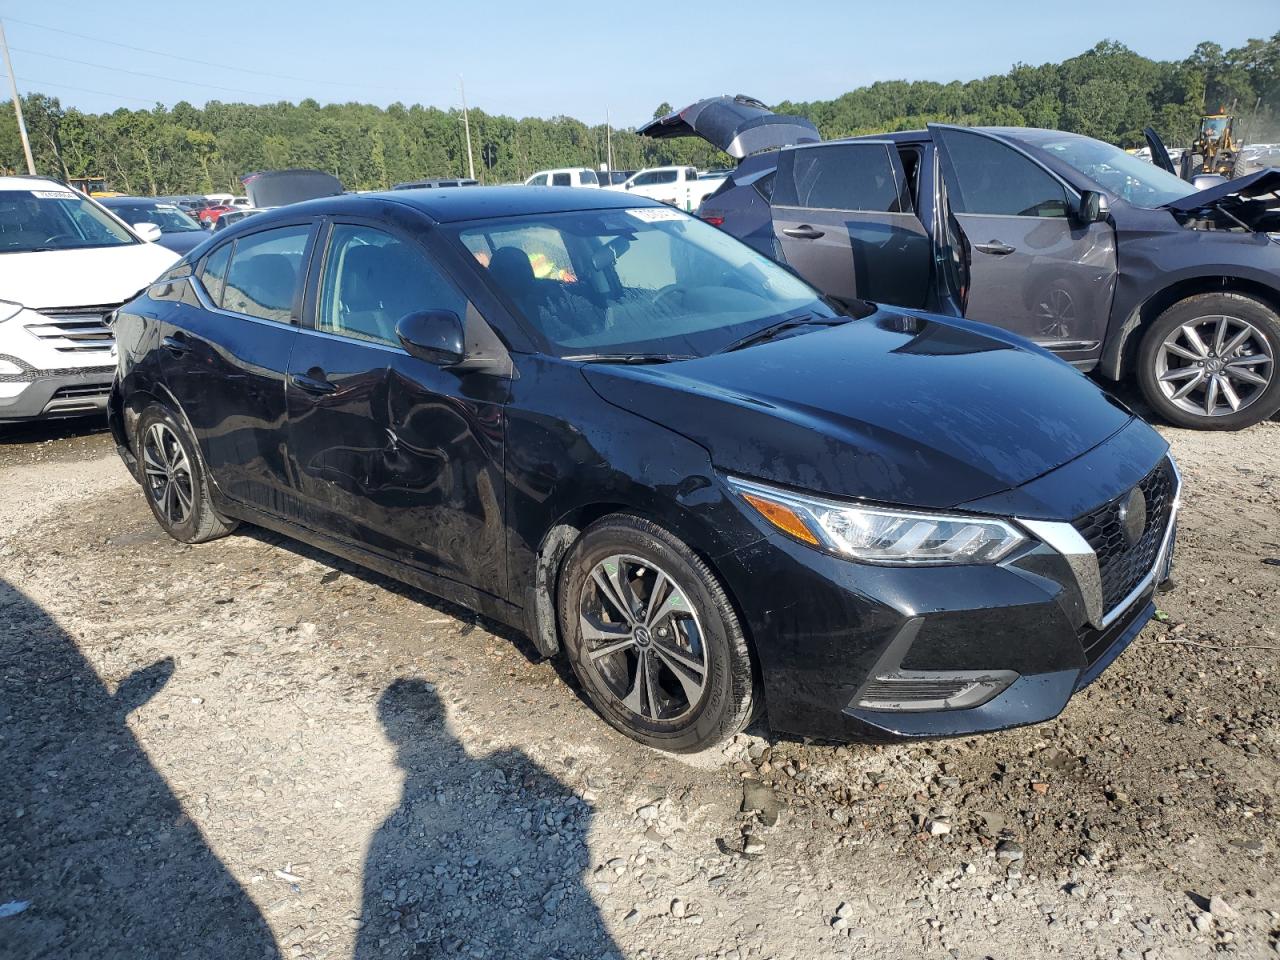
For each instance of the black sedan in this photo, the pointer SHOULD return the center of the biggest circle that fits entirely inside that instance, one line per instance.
(178, 231)
(657, 453)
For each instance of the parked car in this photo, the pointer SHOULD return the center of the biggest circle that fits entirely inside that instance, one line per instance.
(233, 216)
(178, 231)
(436, 183)
(65, 265)
(1111, 263)
(209, 215)
(681, 187)
(669, 460)
(565, 177)
(611, 178)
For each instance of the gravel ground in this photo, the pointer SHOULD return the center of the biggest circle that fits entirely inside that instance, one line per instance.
(249, 749)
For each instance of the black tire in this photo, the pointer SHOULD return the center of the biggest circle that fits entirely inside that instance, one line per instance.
(728, 696)
(183, 508)
(1239, 168)
(1261, 403)
(1195, 166)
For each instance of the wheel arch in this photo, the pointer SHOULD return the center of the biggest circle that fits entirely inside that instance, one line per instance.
(1118, 357)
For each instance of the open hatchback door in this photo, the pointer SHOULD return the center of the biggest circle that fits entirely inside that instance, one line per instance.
(740, 126)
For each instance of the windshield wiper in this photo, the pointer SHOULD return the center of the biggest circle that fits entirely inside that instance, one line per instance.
(782, 326)
(629, 357)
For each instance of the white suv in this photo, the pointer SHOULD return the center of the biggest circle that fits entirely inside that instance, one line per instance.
(564, 177)
(65, 265)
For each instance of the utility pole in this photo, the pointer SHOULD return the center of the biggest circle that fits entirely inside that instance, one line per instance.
(17, 103)
(608, 140)
(466, 123)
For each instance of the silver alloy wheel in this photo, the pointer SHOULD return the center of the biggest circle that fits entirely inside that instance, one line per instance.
(642, 638)
(168, 474)
(1214, 366)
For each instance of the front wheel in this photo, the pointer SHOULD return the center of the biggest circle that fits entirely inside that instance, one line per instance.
(653, 638)
(174, 481)
(1209, 362)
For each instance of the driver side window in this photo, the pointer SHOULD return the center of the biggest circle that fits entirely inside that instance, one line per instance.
(372, 279)
(996, 180)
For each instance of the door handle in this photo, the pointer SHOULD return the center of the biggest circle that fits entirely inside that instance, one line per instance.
(803, 232)
(177, 344)
(995, 248)
(310, 384)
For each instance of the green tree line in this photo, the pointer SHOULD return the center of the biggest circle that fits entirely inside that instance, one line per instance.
(1109, 92)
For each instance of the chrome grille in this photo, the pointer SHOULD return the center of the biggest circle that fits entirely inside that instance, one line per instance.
(1120, 565)
(75, 329)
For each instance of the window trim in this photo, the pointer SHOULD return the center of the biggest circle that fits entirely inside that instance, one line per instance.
(901, 188)
(299, 296)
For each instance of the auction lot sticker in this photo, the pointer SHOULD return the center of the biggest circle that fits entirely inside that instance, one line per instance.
(656, 214)
(53, 194)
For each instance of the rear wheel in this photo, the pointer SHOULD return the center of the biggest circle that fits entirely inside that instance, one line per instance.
(1209, 362)
(174, 481)
(653, 638)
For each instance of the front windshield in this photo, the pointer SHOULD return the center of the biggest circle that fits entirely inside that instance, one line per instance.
(1213, 127)
(649, 280)
(166, 216)
(55, 219)
(1131, 178)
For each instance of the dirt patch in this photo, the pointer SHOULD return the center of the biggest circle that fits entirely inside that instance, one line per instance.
(248, 749)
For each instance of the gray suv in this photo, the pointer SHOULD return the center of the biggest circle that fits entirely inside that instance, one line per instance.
(1110, 262)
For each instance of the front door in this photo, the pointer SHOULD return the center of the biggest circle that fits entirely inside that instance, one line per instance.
(392, 453)
(844, 219)
(1033, 267)
(226, 358)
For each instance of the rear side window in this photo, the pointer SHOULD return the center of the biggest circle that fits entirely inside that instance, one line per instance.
(264, 273)
(560, 180)
(994, 179)
(214, 273)
(843, 176)
(373, 279)
(589, 176)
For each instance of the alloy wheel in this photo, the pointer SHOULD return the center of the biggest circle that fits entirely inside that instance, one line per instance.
(1214, 366)
(642, 638)
(168, 474)
(1056, 314)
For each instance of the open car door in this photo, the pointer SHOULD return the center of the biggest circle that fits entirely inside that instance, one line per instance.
(844, 220)
(1159, 155)
(1033, 266)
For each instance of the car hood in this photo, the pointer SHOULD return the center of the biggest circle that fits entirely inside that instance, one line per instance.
(81, 278)
(275, 188)
(184, 241)
(897, 408)
(1246, 187)
(740, 126)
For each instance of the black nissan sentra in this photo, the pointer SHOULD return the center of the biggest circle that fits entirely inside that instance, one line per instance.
(657, 453)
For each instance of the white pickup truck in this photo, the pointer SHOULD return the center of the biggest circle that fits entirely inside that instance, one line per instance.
(681, 187)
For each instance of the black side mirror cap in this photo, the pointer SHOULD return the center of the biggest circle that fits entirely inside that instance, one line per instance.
(1093, 207)
(435, 336)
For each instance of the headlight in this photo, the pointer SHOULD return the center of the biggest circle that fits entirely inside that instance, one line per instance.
(880, 534)
(9, 310)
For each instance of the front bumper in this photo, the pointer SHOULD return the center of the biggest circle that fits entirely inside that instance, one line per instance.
(58, 393)
(855, 651)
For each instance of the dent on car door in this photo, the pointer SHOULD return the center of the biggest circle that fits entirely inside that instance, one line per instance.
(1034, 268)
(844, 220)
(226, 360)
(392, 453)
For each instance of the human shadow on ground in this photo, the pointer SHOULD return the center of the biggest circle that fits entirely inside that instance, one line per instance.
(484, 856)
(92, 839)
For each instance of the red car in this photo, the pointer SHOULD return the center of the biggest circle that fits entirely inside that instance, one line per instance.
(210, 215)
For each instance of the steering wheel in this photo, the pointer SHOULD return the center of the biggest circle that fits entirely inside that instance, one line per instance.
(670, 290)
(56, 237)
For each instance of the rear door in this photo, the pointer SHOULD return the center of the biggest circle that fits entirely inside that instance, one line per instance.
(1033, 267)
(844, 220)
(226, 360)
(393, 453)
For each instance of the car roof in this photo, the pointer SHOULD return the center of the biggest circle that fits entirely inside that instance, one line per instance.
(458, 204)
(30, 183)
(129, 201)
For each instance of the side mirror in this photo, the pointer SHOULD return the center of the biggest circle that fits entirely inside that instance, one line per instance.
(147, 231)
(435, 336)
(1093, 207)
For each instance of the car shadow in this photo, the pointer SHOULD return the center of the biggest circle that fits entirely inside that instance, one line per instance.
(41, 431)
(97, 856)
(483, 857)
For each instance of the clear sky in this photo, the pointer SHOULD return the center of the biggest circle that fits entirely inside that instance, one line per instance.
(577, 58)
